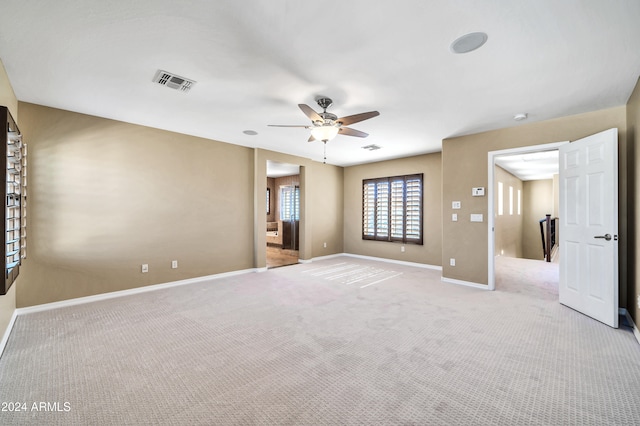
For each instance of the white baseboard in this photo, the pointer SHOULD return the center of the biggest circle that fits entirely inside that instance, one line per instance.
(465, 283)
(398, 262)
(636, 332)
(121, 293)
(329, 256)
(5, 337)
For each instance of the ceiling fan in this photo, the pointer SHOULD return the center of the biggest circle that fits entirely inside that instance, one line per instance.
(325, 125)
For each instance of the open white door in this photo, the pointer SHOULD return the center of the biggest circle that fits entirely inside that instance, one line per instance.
(589, 226)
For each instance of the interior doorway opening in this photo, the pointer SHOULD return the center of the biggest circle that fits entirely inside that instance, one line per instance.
(519, 179)
(283, 214)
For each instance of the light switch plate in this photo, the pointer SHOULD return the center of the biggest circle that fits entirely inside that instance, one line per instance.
(455, 204)
(476, 217)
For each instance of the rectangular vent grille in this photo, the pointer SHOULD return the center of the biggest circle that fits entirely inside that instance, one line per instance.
(173, 81)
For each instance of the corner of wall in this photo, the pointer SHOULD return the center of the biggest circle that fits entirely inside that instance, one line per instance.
(8, 301)
(633, 188)
(7, 95)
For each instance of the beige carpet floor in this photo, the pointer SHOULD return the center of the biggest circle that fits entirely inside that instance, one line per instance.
(338, 341)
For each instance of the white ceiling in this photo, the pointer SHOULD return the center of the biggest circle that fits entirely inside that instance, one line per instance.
(276, 169)
(255, 60)
(531, 166)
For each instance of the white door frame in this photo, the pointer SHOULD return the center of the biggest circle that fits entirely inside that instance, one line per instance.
(491, 156)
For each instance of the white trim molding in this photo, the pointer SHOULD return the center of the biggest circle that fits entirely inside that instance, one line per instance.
(465, 283)
(398, 262)
(7, 332)
(128, 292)
(328, 256)
(625, 313)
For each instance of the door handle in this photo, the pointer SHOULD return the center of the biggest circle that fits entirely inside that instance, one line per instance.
(605, 236)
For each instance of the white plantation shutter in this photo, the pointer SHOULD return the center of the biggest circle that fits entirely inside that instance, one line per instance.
(392, 209)
(369, 209)
(413, 197)
(382, 210)
(397, 209)
(289, 203)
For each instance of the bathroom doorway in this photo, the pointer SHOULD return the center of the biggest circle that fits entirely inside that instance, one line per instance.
(283, 214)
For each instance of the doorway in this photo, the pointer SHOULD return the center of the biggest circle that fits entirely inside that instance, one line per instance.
(508, 198)
(283, 214)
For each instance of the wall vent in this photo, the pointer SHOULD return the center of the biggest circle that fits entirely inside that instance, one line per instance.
(173, 81)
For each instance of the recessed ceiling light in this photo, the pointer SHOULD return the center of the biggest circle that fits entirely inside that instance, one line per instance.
(250, 132)
(468, 42)
(520, 117)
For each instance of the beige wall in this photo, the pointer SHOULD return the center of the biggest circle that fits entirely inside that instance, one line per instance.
(429, 253)
(464, 166)
(7, 301)
(633, 154)
(327, 204)
(106, 197)
(537, 203)
(508, 227)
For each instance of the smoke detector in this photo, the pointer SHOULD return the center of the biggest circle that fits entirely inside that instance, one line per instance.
(173, 81)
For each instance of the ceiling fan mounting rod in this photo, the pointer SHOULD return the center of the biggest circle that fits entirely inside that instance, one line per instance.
(324, 103)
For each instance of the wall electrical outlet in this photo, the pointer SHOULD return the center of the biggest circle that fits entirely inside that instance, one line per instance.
(324, 245)
(452, 262)
(174, 264)
(454, 217)
(145, 268)
(402, 249)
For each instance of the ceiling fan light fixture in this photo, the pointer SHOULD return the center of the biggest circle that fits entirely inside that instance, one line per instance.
(324, 133)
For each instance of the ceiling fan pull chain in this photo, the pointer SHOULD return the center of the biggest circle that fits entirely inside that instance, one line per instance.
(325, 152)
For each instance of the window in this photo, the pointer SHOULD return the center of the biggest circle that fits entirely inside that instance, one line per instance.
(289, 203)
(511, 200)
(392, 209)
(519, 202)
(268, 200)
(500, 199)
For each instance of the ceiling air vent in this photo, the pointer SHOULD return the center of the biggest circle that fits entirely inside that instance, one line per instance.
(371, 147)
(173, 81)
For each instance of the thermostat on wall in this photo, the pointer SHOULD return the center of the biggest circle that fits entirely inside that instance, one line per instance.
(477, 192)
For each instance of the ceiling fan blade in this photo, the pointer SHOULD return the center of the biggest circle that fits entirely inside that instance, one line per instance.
(309, 112)
(289, 125)
(350, 119)
(311, 139)
(352, 132)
